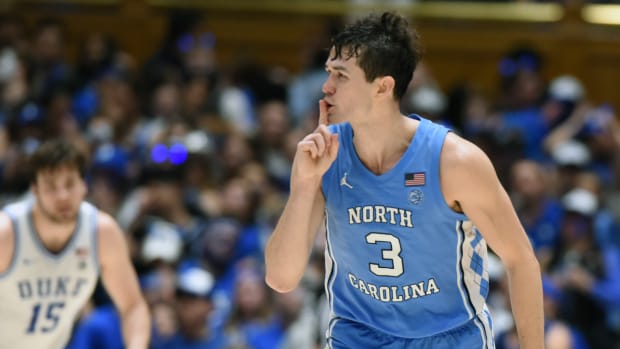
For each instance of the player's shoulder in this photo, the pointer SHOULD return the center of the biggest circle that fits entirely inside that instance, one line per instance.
(18, 208)
(464, 168)
(108, 228)
(7, 241)
(6, 228)
(8, 213)
(105, 222)
(458, 151)
(110, 237)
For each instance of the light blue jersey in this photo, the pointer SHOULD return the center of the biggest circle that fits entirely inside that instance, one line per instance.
(399, 259)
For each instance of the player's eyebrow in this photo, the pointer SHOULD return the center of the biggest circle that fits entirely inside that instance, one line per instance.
(336, 67)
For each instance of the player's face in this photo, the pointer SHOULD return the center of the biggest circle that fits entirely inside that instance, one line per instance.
(346, 90)
(59, 193)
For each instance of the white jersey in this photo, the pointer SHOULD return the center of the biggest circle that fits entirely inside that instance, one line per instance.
(42, 292)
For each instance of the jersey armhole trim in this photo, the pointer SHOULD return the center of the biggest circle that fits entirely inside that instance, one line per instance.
(94, 236)
(441, 202)
(15, 254)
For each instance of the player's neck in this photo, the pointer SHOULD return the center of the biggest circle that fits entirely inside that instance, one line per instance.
(381, 146)
(54, 235)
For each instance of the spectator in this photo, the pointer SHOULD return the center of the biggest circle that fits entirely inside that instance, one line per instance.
(538, 211)
(254, 321)
(50, 69)
(193, 305)
(587, 273)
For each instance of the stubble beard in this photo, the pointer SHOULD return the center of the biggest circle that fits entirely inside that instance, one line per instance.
(57, 219)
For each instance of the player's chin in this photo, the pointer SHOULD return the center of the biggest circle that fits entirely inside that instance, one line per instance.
(335, 119)
(332, 115)
(66, 217)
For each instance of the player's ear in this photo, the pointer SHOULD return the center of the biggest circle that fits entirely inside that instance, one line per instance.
(386, 86)
(84, 188)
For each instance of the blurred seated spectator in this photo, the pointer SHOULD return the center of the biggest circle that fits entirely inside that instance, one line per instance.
(299, 319)
(269, 142)
(49, 66)
(571, 158)
(100, 329)
(539, 212)
(558, 333)
(240, 202)
(162, 196)
(162, 243)
(523, 90)
(587, 273)
(193, 307)
(216, 252)
(109, 177)
(597, 128)
(254, 323)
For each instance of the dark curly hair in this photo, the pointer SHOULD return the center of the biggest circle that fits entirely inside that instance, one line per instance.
(384, 45)
(55, 153)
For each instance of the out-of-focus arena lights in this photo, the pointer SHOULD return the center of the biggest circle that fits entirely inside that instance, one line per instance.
(602, 14)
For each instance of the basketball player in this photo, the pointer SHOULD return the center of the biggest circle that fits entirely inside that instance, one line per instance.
(53, 248)
(408, 209)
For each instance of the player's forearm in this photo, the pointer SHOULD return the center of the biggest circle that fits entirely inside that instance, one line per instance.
(137, 326)
(289, 246)
(527, 303)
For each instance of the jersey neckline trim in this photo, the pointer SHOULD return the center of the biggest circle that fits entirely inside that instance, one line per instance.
(36, 237)
(397, 169)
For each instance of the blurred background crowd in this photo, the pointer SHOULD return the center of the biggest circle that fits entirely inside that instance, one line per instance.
(192, 157)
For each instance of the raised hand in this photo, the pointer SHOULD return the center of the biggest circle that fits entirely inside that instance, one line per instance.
(315, 152)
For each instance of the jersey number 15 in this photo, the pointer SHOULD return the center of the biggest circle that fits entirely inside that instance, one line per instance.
(45, 317)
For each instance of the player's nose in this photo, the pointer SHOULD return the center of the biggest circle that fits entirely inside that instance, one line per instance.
(63, 194)
(328, 88)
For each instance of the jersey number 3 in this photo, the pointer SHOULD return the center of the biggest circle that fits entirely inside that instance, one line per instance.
(49, 313)
(390, 254)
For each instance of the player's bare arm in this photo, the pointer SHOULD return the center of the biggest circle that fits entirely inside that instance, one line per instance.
(7, 242)
(289, 246)
(470, 184)
(121, 283)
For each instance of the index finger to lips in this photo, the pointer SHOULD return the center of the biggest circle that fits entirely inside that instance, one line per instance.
(323, 120)
(325, 134)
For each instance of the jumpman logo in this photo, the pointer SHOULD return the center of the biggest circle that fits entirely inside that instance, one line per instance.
(343, 181)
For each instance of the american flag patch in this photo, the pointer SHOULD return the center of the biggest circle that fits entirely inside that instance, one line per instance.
(415, 179)
(81, 252)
